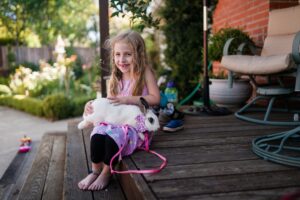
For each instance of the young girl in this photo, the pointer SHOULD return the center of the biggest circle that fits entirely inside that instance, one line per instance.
(131, 78)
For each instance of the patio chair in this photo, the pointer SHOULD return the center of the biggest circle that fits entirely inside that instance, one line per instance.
(279, 58)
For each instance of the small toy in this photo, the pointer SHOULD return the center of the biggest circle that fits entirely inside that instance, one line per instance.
(25, 144)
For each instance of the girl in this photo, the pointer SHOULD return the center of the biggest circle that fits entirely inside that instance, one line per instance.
(131, 78)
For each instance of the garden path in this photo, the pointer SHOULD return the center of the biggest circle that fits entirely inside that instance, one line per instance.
(14, 125)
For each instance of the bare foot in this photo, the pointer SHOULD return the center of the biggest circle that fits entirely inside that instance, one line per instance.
(87, 181)
(101, 182)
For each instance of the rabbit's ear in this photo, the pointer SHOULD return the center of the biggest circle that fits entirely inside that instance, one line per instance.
(145, 103)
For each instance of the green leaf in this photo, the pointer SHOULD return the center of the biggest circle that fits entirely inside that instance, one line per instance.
(115, 14)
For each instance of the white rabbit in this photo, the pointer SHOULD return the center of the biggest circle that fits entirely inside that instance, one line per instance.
(104, 111)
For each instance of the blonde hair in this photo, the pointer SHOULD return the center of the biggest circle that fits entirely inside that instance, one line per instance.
(140, 62)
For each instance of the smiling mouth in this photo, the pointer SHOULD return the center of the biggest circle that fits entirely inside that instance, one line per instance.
(123, 65)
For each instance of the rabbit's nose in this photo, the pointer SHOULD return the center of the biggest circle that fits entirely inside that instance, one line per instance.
(151, 120)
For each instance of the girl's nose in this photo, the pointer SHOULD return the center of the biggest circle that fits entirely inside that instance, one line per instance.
(123, 58)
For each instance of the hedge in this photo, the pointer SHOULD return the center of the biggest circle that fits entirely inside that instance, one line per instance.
(30, 105)
(53, 107)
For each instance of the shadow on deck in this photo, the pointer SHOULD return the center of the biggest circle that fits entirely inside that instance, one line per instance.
(210, 159)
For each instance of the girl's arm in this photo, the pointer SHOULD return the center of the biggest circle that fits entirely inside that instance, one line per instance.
(153, 98)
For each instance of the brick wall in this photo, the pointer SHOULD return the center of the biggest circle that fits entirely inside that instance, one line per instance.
(249, 15)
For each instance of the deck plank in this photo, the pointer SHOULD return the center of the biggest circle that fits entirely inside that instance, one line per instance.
(17, 173)
(226, 183)
(216, 169)
(76, 164)
(53, 188)
(113, 191)
(34, 185)
(144, 160)
(270, 194)
(188, 134)
(131, 183)
(206, 160)
(202, 141)
(210, 157)
(134, 185)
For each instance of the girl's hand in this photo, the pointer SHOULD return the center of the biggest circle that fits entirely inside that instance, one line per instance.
(118, 100)
(88, 108)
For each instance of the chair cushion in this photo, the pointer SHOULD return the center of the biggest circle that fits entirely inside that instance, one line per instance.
(278, 45)
(284, 21)
(257, 65)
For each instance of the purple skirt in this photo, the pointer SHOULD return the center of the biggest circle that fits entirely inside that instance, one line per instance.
(116, 132)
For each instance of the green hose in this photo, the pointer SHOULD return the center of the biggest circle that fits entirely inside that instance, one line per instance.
(183, 101)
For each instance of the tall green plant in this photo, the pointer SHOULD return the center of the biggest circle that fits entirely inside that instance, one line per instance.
(183, 32)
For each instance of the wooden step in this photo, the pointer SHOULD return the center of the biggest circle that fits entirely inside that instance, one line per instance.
(36, 173)
(134, 185)
(78, 165)
(13, 174)
(53, 169)
(125, 186)
(45, 178)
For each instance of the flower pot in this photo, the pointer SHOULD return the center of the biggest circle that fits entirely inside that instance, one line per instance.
(222, 95)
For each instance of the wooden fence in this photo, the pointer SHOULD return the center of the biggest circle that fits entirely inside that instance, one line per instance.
(34, 55)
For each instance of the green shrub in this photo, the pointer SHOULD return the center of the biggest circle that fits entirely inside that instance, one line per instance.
(9, 41)
(5, 100)
(4, 80)
(218, 40)
(32, 66)
(21, 102)
(57, 106)
(54, 107)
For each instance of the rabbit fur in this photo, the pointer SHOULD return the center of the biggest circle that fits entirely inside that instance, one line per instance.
(104, 111)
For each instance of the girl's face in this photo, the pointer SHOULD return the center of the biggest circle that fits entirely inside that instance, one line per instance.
(123, 57)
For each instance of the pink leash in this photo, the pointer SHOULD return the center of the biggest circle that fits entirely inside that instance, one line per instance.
(145, 171)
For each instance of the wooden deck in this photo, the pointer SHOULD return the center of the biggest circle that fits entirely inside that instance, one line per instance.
(210, 159)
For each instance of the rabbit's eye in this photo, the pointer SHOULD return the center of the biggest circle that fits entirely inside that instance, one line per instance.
(151, 120)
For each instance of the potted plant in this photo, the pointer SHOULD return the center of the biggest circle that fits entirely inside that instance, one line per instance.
(220, 92)
(223, 95)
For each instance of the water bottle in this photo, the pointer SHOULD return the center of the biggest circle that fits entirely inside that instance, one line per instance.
(171, 92)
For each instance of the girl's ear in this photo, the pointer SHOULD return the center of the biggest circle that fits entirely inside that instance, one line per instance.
(145, 103)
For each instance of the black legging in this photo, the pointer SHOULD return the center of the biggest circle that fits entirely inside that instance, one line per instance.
(103, 148)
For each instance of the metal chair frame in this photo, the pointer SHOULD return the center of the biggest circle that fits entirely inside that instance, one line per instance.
(275, 147)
